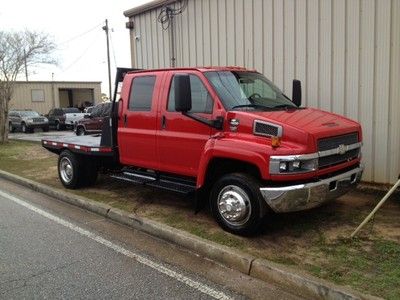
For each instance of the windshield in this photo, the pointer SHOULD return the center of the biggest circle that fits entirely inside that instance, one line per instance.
(29, 114)
(248, 90)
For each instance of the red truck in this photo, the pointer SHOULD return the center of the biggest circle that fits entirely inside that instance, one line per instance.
(227, 134)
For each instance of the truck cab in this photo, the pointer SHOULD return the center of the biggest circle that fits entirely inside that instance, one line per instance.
(244, 145)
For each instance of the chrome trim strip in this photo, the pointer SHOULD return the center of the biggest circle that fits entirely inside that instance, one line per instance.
(337, 150)
(279, 127)
(294, 157)
(276, 159)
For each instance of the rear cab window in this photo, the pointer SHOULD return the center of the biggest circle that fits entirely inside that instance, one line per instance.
(141, 94)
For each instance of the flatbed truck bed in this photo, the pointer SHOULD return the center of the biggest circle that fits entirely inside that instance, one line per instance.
(88, 145)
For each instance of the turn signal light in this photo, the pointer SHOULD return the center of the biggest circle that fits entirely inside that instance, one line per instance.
(275, 141)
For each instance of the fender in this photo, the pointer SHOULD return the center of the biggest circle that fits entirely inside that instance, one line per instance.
(227, 148)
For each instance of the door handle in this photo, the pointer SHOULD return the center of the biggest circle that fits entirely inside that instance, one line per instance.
(125, 120)
(163, 122)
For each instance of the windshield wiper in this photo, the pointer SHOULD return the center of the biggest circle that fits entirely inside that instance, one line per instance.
(251, 105)
(287, 106)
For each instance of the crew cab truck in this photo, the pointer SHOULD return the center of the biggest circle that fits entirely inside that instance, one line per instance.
(226, 133)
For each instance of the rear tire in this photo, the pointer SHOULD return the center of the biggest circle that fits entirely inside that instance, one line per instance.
(10, 127)
(80, 131)
(71, 170)
(236, 203)
(91, 170)
(24, 129)
(59, 126)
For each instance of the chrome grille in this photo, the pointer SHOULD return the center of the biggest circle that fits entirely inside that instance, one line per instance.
(336, 141)
(333, 143)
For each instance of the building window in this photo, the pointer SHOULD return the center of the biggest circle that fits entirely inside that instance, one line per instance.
(37, 95)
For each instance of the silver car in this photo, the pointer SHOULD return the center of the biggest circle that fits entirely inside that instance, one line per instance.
(26, 121)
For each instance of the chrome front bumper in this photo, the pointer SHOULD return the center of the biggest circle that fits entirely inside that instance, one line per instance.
(309, 195)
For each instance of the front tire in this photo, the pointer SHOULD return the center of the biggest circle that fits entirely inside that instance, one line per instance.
(237, 204)
(10, 127)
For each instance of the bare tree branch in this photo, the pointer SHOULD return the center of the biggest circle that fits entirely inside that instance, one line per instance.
(17, 49)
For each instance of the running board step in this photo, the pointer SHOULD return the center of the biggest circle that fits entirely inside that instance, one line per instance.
(183, 187)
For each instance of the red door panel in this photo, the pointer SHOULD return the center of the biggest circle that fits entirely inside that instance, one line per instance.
(138, 120)
(180, 139)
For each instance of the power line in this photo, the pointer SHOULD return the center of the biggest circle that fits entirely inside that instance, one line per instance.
(81, 55)
(80, 34)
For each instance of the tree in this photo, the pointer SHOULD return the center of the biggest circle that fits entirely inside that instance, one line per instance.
(17, 50)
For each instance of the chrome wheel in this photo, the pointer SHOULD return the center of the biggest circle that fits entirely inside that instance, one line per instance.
(66, 170)
(234, 205)
(23, 128)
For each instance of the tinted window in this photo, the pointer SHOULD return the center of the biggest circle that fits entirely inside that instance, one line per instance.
(71, 110)
(142, 93)
(201, 99)
(96, 111)
(106, 110)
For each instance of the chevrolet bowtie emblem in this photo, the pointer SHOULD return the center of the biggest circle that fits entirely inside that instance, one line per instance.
(342, 149)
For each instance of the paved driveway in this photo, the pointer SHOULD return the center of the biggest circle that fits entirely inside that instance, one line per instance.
(39, 135)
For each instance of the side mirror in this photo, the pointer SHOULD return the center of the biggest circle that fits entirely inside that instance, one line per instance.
(296, 92)
(183, 94)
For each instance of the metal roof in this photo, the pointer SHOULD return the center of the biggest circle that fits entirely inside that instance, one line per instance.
(146, 7)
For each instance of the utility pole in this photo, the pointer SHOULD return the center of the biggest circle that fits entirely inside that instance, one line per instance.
(105, 28)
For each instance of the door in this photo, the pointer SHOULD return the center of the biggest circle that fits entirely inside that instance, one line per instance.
(138, 119)
(180, 139)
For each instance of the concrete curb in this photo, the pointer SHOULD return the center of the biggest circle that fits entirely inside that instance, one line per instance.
(245, 263)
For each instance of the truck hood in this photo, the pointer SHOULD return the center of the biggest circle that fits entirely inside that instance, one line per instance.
(300, 126)
(317, 122)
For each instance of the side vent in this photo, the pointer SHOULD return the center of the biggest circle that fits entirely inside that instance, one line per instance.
(266, 129)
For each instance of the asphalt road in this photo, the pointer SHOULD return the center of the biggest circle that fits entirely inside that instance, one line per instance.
(50, 249)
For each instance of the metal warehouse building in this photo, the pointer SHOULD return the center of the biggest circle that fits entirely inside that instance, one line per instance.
(42, 96)
(345, 52)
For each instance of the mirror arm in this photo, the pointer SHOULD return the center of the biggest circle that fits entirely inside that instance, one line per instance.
(217, 123)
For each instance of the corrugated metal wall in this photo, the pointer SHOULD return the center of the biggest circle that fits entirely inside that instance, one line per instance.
(346, 53)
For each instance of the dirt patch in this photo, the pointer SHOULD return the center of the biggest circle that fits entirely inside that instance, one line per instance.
(316, 241)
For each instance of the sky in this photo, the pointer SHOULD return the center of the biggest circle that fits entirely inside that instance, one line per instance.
(76, 27)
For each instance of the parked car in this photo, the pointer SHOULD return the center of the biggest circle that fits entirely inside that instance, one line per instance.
(93, 122)
(62, 118)
(26, 121)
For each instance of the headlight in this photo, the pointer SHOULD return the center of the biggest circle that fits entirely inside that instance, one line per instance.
(29, 120)
(297, 166)
(292, 164)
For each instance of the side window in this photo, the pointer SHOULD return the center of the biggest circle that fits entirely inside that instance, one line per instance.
(141, 95)
(106, 110)
(201, 99)
(96, 111)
